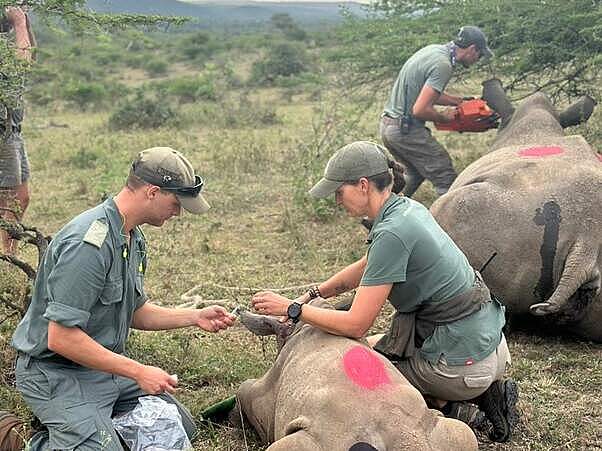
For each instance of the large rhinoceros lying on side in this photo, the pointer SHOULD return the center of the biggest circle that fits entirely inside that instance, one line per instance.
(332, 393)
(536, 201)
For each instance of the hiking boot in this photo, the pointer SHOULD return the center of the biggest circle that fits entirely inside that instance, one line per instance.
(499, 405)
(467, 413)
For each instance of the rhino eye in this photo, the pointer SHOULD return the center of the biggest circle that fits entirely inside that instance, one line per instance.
(362, 446)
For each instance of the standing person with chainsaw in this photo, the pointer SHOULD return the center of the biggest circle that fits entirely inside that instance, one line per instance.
(420, 86)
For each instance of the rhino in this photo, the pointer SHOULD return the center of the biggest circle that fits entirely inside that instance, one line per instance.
(531, 206)
(327, 392)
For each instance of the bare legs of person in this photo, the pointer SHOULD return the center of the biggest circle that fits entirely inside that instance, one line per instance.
(13, 203)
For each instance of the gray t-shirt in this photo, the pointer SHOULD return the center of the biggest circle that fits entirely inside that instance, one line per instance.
(432, 66)
(407, 248)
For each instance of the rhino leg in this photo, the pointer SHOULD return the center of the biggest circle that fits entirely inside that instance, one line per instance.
(579, 283)
(450, 434)
(263, 325)
(297, 441)
(578, 112)
(257, 407)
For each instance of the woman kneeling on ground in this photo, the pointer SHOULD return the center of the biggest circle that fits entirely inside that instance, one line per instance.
(446, 335)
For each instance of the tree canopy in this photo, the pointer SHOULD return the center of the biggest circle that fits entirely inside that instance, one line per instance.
(70, 13)
(549, 45)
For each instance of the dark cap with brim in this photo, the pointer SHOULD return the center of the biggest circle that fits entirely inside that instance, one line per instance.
(350, 163)
(469, 35)
(171, 171)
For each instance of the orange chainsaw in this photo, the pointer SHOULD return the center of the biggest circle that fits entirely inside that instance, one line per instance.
(471, 116)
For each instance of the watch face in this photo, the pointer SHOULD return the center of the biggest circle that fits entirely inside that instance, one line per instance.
(294, 311)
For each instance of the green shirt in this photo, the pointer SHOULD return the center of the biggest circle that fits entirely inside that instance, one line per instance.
(432, 66)
(407, 248)
(89, 278)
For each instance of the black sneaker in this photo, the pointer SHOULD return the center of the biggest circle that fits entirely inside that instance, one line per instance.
(467, 413)
(499, 405)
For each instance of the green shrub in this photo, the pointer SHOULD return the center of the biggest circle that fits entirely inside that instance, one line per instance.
(156, 67)
(191, 89)
(136, 61)
(85, 94)
(143, 112)
(284, 59)
(196, 46)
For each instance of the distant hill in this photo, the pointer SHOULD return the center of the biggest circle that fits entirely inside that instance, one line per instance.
(216, 14)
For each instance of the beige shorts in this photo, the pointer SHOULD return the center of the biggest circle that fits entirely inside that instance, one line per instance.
(457, 382)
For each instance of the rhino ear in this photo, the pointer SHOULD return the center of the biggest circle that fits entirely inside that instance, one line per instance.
(362, 446)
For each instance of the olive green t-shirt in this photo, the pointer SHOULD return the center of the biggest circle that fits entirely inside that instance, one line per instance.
(432, 66)
(91, 278)
(407, 248)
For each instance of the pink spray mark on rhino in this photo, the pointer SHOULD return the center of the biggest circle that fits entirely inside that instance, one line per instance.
(364, 368)
(541, 151)
(600, 157)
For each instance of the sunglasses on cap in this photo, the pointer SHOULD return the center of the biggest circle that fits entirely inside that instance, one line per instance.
(187, 191)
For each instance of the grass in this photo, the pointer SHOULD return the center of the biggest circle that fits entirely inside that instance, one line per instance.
(258, 234)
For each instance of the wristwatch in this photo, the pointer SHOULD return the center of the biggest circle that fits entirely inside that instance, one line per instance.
(294, 311)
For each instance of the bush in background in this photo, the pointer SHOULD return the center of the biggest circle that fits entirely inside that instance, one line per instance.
(191, 89)
(156, 67)
(143, 112)
(85, 94)
(284, 59)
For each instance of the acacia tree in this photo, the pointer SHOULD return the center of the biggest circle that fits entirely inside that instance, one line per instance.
(553, 46)
(72, 14)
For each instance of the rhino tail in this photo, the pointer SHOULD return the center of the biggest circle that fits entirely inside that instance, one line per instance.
(580, 274)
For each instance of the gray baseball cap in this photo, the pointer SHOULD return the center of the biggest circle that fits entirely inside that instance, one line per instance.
(171, 171)
(469, 35)
(350, 163)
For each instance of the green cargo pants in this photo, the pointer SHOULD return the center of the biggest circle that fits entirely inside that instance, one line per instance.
(421, 154)
(76, 404)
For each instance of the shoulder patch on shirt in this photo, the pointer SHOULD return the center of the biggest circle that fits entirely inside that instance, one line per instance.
(96, 234)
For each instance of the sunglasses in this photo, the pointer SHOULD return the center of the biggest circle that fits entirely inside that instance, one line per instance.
(187, 191)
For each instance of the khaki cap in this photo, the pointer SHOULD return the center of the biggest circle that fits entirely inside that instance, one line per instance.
(350, 163)
(171, 171)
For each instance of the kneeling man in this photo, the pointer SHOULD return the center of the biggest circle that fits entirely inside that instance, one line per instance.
(71, 368)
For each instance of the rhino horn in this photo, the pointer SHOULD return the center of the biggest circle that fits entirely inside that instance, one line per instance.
(580, 272)
(577, 112)
(495, 96)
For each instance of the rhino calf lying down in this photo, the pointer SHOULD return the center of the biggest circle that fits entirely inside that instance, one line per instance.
(534, 200)
(331, 393)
